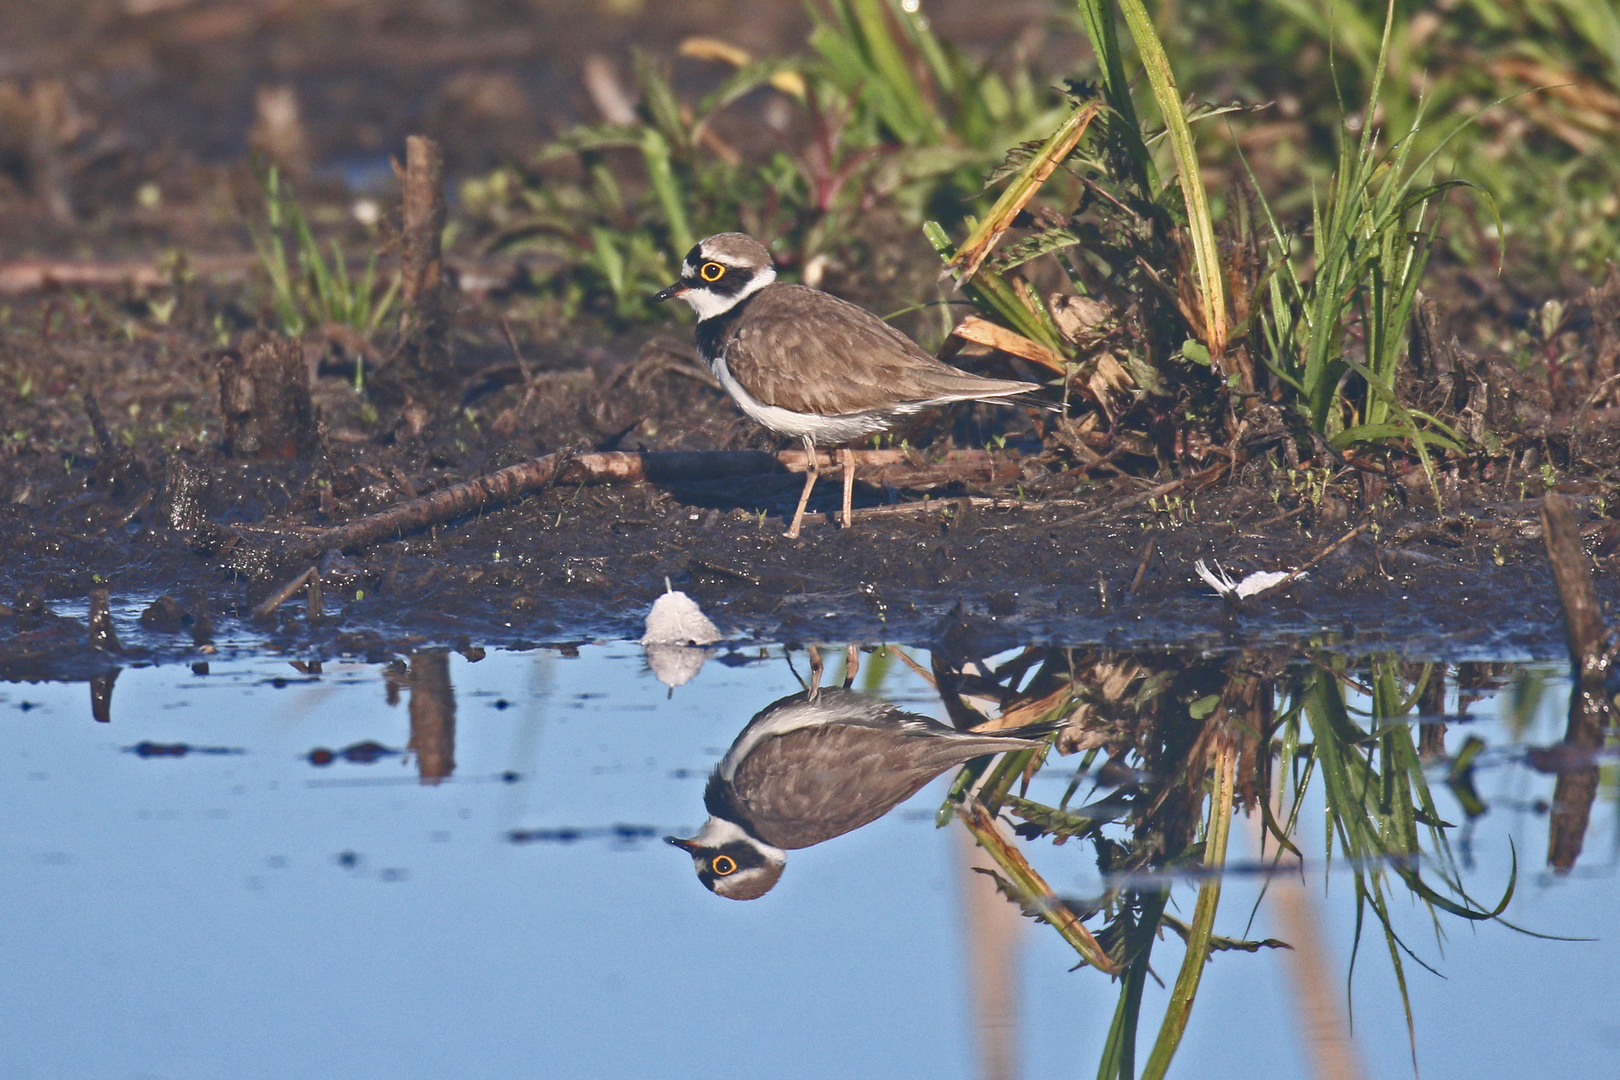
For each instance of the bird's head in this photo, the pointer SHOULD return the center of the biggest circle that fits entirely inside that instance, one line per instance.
(730, 862)
(719, 272)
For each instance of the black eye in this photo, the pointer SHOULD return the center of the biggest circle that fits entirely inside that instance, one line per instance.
(723, 864)
(712, 271)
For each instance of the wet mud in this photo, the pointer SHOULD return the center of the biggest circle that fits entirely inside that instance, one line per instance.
(148, 450)
(973, 566)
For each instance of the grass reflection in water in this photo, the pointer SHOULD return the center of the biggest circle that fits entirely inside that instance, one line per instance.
(1173, 746)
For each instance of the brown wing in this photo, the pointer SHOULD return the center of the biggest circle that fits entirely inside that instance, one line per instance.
(808, 351)
(815, 783)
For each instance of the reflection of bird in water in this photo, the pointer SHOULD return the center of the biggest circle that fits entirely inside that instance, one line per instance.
(814, 766)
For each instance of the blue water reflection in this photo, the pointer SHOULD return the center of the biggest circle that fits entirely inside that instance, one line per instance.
(255, 914)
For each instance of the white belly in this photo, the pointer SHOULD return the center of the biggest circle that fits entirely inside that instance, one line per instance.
(822, 430)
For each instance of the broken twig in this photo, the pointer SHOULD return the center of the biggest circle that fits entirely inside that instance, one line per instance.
(515, 481)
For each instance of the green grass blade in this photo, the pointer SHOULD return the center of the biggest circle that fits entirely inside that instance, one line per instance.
(1033, 890)
(1203, 921)
(1119, 1049)
(1206, 255)
(1097, 16)
(661, 174)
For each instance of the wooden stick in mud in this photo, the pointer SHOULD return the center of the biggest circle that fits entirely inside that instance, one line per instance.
(20, 276)
(1576, 788)
(423, 338)
(446, 504)
(515, 481)
(1583, 619)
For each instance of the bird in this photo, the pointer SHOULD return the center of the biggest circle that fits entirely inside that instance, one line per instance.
(815, 765)
(804, 363)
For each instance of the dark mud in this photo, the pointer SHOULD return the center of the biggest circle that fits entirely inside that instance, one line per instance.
(580, 563)
(146, 502)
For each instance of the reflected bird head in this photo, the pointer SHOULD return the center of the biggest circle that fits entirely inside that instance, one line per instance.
(731, 863)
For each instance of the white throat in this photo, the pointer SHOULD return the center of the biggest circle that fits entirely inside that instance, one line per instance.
(708, 304)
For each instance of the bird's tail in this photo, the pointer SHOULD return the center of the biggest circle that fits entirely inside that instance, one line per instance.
(1027, 733)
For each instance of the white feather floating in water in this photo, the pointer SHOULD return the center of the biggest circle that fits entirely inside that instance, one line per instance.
(1258, 582)
(676, 665)
(676, 619)
(676, 632)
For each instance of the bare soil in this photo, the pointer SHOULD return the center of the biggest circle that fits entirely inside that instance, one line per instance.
(1063, 555)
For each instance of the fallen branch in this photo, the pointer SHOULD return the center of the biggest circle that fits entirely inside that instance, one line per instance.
(895, 467)
(40, 275)
(1210, 474)
(1318, 557)
(977, 502)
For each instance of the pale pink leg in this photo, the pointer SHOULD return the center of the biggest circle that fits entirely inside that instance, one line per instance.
(810, 474)
(849, 485)
(815, 673)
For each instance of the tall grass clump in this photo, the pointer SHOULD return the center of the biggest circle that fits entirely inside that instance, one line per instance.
(1201, 317)
(1371, 237)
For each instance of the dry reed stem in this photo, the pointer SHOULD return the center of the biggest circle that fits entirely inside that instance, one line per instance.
(1036, 892)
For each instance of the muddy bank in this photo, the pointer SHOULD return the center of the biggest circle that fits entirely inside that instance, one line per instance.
(173, 433)
(578, 563)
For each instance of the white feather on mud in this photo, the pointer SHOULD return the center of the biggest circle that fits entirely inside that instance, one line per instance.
(1252, 585)
(675, 635)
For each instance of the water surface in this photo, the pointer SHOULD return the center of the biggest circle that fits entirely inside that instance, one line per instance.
(236, 910)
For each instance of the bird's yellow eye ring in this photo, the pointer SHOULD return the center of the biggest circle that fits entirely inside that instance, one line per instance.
(723, 864)
(711, 271)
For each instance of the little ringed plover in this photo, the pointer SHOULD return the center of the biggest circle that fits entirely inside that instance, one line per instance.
(816, 765)
(804, 363)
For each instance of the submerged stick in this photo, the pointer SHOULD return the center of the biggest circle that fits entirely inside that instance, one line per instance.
(433, 716)
(103, 635)
(287, 591)
(1575, 790)
(1328, 1048)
